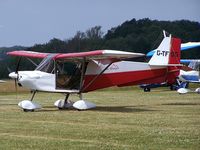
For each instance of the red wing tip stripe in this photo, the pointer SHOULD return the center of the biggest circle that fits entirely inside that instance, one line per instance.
(28, 54)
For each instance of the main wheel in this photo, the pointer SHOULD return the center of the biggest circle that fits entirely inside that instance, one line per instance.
(28, 110)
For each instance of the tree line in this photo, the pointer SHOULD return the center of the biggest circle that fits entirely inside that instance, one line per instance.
(134, 36)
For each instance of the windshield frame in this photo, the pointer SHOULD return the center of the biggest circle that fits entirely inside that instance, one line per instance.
(47, 64)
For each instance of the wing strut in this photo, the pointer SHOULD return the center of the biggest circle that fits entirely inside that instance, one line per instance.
(92, 81)
(82, 76)
(31, 61)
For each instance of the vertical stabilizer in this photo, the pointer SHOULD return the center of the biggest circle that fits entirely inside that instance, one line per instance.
(167, 54)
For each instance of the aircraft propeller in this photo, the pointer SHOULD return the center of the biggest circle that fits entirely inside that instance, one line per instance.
(16, 71)
(17, 75)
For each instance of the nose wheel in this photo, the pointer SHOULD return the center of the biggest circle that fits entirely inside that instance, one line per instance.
(29, 105)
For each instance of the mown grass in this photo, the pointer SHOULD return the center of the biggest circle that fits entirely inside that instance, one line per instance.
(125, 118)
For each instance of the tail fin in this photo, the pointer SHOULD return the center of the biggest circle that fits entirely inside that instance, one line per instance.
(168, 53)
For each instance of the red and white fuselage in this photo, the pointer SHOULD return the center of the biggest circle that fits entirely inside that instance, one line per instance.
(105, 69)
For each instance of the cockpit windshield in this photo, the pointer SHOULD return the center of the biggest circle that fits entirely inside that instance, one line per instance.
(47, 64)
(67, 72)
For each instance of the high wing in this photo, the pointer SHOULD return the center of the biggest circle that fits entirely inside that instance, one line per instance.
(189, 45)
(100, 54)
(97, 54)
(184, 46)
(30, 54)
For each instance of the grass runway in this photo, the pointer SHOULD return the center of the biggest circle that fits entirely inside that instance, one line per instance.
(125, 118)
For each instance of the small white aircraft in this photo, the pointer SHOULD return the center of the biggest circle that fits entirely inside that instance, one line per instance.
(77, 73)
(192, 76)
(184, 47)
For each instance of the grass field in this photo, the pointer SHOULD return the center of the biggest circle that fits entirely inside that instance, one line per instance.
(125, 118)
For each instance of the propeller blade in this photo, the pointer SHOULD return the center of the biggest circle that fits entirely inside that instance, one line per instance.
(8, 68)
(16, 88)
(16, 79)
(18, 63)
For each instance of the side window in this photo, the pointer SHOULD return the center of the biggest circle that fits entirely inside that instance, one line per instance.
(68, 75)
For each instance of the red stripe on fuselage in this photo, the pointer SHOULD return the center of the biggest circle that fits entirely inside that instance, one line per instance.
(132, 78)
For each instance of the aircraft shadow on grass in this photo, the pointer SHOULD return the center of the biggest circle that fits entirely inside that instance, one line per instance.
(121, 109)
(182, 104)
(8, 104)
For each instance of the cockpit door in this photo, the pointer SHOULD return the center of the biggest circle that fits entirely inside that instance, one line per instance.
(68, 75)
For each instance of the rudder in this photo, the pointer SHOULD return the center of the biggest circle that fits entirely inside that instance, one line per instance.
(175, 52)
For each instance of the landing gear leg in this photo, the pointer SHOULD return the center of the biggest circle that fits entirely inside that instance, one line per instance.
(33, 95)
(67, 102)
(30, 110)
(81, 96)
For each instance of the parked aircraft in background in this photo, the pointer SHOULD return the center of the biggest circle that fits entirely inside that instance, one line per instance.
(191, 76)
(173, 86)
(184, 47)
(177, 84)
(77, 73)
(2, 81)
(188, 74)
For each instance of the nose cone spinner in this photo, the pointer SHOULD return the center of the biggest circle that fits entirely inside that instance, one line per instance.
(13, 75)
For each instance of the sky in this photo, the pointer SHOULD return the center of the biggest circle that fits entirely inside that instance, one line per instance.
(29, 22)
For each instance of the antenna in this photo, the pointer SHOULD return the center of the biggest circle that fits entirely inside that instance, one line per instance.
(164, 33)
